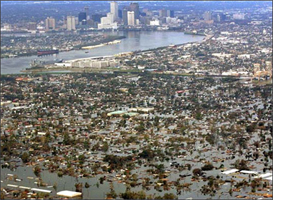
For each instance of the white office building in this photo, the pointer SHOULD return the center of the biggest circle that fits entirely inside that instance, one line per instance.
(131, 18)
(154, 22)
(114, 10)
(108, 22)
(71, 23)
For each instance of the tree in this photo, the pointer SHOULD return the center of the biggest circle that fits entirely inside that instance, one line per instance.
(112, 193)
(160, 168)
(37, 170)
(25, 157)
(79, 187)
(241, 165)
(81, 159)
(250, 128)
(197, 172)
(207, 167)
(133, 195)
(198, 116)
(66, 139)
(86, 185)
(105, 147)
(86, 144)
(169, 196)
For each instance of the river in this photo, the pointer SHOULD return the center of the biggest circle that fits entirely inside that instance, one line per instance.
(134, 41)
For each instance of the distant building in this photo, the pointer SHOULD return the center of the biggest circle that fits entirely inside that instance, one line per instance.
(154, 23)
(131, 18)
(120, 14)
(82, 18)
(114, 10)
(125, 16)
(87, 12)
(163, 13)
(171, 13)
(207, 15)
(71, 23)
(32, 26)
(220, 17)
(108, 22)
(171, 20)
(50, 23)
(135, 7)
(97, 17)
(90, 22)
(166, 13)
(239, 16)
(76, 20)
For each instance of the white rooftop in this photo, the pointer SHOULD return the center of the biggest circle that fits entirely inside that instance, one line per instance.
(67, 193)
(40, 190)
(265, 175)
(248, 172)
(230, 171)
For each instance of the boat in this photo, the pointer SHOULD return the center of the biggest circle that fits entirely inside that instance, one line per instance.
(47, 52)
(86, 52)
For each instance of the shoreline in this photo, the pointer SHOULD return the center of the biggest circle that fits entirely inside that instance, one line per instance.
(24, 71)
(107, 56)
(110, 56)
(100, 45)
(79, 47)
(74, 48)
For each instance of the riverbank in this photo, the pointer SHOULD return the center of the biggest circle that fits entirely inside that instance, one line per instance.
(103, 42)
(134, 42)
(79, 69)
(101, 45)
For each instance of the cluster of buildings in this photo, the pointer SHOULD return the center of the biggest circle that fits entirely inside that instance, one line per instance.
(94, 63)
(126, 17)
(235, 52)
(157, 133)
(222, 52)
(185, 125)
(134, 16)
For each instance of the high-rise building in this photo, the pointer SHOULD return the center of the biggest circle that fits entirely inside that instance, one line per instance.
(82, 17)
(71, 23)
(87, 12)
(220, 17)
(120, 14)
(135, 7)
(32, 26)
(207, 15)
(114, 10)
(131, 18)
(125, 16)
(108, 22)
(50, 23)
(171, 13)
(163, 13)
(97, 17)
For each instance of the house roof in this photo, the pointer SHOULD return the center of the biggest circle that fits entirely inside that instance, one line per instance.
(67, 193)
